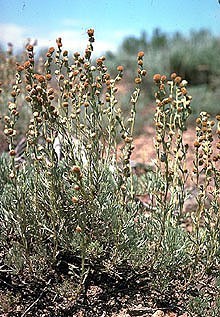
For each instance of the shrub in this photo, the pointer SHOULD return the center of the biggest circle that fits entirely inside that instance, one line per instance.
(81, 212)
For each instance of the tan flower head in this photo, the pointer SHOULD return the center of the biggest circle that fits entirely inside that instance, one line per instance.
(157, 78)
(30, 48)
(178, 80)
(120, 68)
(173, 76)
(140, 54)
(90, 32)
(59, 42)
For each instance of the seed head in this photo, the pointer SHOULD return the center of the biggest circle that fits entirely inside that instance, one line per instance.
(76, 55)
(107, 98)
(120, 68)
(88, 53)
(51, 50)
(65, 53)
(75, 200)
(50, 91)
(59, 42)
(99, 62)
(65, 104)
(12, 153)
(197, 144)
(7, 119)
(140, 62)
(13, 93)
(183, 91)
(78, 229)
(123, 188)
(41, 78)
(157, 78)
(30, 48)
(144, 72)
(137, 80)
(76, 187)
(163, 78)
(48, 77)
(86, 104)
(20, 68)
(140, 54)
(28, 98)
(27, 64)
(12, 175)
(90, 32)
(76, 169)
(177, 80)
(6, 132)
(128, 139)
(173, 76)
(11, 105)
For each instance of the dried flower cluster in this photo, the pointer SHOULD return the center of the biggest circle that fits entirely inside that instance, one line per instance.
(173, 109)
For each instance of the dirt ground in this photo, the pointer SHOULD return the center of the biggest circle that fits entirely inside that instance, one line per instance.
(144, 150)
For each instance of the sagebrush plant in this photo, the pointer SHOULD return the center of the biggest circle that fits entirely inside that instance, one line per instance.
(85, 202)
(207, 178)
(8, 64)
(173, 109)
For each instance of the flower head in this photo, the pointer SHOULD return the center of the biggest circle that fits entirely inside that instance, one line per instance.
(157, 78)
(90, 32)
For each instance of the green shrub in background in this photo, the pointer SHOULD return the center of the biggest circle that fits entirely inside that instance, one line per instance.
(195, 58)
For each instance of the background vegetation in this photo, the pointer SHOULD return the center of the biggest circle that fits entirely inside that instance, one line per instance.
(194, 57)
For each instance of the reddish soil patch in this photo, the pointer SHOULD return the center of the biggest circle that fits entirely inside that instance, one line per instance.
(145, 152)
(3, 143)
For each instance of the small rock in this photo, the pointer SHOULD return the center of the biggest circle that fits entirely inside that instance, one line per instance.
(158, 313)
(171, 314)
